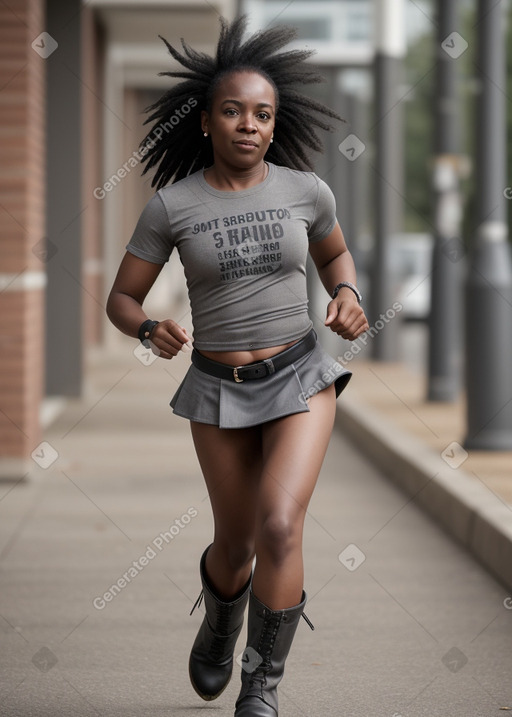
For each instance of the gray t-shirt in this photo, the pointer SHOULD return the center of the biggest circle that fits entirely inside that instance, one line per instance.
(244, 253)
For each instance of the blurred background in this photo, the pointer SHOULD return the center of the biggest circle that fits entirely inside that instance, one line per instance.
(422, 175)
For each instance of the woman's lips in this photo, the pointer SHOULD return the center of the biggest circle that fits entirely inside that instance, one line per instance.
(246, 144)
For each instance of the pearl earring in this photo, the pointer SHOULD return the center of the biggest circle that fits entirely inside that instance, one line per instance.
(271, 140)
(205, 134)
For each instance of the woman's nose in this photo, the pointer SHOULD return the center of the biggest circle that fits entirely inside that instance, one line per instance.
(247, 123)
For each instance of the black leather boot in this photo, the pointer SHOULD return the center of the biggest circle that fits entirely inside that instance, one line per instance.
(211, 659)
(270, 636)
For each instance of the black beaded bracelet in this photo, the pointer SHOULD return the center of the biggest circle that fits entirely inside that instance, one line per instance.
(350, 286)
(145, 330)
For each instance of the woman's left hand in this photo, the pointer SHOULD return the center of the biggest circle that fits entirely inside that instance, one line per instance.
(346, 317)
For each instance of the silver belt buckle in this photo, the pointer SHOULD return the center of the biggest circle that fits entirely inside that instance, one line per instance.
(235, 375)
(270, 366)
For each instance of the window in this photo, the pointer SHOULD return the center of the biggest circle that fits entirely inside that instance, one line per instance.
(340, 30)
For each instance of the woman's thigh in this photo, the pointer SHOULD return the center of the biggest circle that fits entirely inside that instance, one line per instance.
(293, 450)
(230, 461)
(260, 480)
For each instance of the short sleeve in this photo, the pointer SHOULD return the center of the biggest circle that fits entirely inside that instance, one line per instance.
(324, 217)
(152, 238)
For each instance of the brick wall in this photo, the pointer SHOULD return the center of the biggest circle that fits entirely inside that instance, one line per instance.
(22, 219)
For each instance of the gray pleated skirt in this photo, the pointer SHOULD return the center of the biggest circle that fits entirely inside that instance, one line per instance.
(227, 404)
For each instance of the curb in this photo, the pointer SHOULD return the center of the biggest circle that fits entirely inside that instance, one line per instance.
(457, 500)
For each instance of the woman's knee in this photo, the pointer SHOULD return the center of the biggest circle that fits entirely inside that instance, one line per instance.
(237, 555)
(280, 535)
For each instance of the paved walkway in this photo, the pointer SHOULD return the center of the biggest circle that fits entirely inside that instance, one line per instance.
(407, 623)
(397, 393)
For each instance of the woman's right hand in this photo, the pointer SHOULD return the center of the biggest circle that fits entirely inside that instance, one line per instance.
(168, 338)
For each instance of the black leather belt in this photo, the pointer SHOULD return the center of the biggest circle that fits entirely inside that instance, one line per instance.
(260, 369)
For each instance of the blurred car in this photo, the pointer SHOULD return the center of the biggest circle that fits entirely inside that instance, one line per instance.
(411, 256)
(411, 268)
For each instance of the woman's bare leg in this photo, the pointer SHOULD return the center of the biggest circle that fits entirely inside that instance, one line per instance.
(260, 482)
(230, 460)
(294, 448)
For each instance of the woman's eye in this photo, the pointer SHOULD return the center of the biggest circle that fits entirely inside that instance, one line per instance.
(233, 113)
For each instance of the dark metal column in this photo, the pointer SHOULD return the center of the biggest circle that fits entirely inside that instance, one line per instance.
(64, 206)
(445, 335)
(354, 187)
(489, 284)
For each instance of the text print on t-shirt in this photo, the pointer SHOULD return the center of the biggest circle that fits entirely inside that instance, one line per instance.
(247, 244)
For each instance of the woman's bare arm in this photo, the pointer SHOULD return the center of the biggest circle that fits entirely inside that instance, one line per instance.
(334, 264)
(124, 306)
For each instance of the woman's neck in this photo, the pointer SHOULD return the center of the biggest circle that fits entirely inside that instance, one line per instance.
(235, 179)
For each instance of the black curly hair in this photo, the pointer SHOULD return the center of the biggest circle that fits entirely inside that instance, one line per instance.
(178, 148)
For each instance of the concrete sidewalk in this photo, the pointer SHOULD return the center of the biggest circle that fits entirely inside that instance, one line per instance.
(419, 445)
(99, 552)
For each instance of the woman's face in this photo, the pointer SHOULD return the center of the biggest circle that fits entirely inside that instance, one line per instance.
(241, 120)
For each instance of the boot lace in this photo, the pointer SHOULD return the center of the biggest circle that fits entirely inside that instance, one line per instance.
(218, 645)
(220, 629)
(265, 647)
(197, 602)
(306, 618)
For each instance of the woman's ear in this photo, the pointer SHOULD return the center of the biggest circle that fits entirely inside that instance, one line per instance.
(204, 120)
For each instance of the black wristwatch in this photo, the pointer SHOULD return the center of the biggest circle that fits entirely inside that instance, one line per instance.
(349, 286)
(145, 330)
